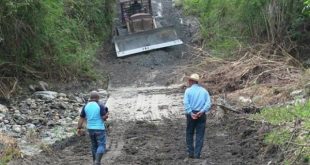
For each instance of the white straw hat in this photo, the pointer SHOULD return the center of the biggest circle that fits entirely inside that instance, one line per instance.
(194, 77)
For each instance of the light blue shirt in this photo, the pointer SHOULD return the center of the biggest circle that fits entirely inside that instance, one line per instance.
(93, 113)
(196, 98)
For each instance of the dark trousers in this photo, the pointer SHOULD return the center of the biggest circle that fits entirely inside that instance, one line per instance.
(97, 138)
(195, 127)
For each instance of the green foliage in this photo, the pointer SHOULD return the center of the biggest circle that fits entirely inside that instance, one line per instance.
(306, 9)
(292, 130)
(279, 137)
(228, 23)
(60, 34)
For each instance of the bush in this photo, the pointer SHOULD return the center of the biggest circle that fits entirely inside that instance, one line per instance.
(55, 37)
(228, 23)
(292, 130)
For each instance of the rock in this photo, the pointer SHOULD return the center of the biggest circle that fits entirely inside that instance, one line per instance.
(2, 117)
(62, 106)
(50, 123)
(19, 119)
(297, 93)
(6, 121)
(3, 109)
(245, 100)
(39, 121)
(78, 99)
(46, 95)
(30, 126)
(54, 106)
(62, 95)
(48, 101)
(32, 88)
(43, 85)
(29, 101)
(17, 128)
(33, 106)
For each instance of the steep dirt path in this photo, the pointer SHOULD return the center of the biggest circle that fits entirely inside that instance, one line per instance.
(146, 124)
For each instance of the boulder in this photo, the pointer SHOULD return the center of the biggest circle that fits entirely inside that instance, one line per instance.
(245, 100)
(3, 109)
(43, 85)
(30, 126)
(46, 95)
(17, 128)
(62, 95)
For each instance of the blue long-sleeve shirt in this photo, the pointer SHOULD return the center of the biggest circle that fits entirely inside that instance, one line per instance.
(196, 98)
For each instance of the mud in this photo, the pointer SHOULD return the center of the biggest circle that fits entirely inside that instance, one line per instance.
(146, 124)
(231, 141)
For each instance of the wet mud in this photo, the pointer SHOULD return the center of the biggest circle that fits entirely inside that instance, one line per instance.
(233, 141)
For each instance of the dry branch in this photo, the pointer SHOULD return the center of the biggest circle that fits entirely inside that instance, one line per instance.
(227, 108)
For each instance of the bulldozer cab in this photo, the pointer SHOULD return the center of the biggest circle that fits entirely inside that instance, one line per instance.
(131, 7)
(137, 15)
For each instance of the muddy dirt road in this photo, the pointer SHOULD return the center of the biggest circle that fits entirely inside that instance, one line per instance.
(146, 124)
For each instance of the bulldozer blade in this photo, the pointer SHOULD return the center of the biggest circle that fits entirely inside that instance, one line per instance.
(146, 41)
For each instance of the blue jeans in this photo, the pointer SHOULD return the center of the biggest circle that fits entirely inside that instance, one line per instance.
(97, 138)
(195, 127)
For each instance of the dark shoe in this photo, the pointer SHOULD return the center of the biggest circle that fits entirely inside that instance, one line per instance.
(98, 159)
(94, 158)
(190, 156)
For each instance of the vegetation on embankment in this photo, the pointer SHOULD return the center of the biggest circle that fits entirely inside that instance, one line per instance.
(291, 131)
(55, 39)
(229, 24)
(282, 26)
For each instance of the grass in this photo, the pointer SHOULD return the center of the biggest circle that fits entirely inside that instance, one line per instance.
(227, 24)
(292, 131)
(8, 154)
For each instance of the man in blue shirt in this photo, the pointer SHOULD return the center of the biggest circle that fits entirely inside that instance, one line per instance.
(95, 114)
(196, 103)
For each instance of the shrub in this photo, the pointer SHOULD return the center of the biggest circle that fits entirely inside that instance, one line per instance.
(228, 23)
(55, 37)
(291, 133)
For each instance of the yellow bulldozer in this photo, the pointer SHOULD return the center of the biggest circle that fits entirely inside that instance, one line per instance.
(137, 31)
